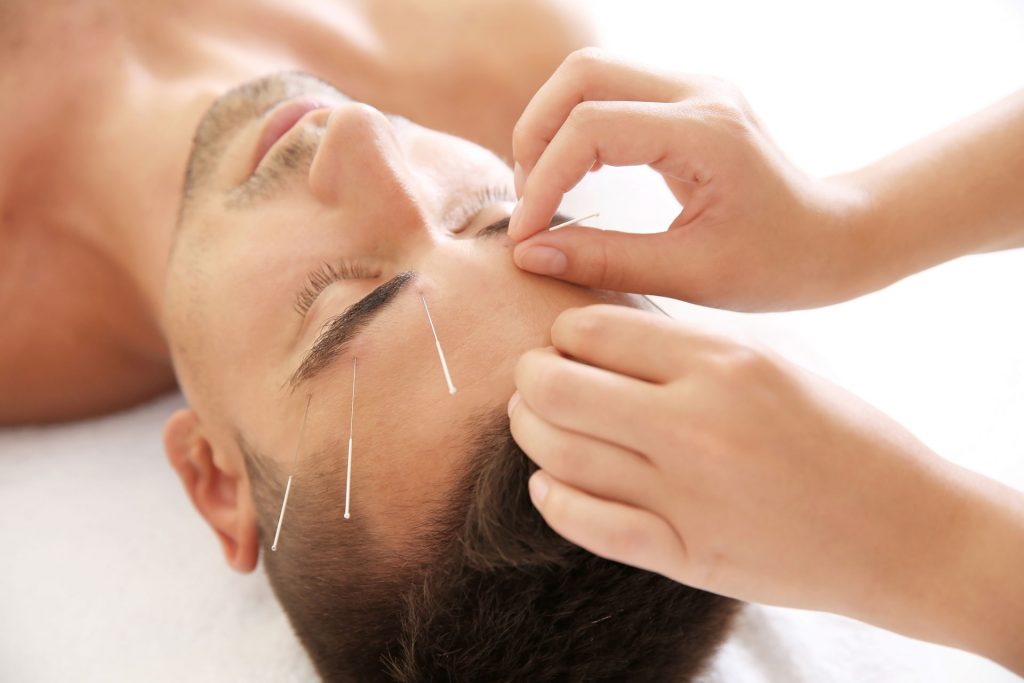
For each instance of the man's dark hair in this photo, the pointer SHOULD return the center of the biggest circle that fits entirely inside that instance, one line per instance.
(489, 593)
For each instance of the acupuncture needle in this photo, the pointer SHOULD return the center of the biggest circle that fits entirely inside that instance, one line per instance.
(440, 352)
(574, 221)
(295, 462)
(655, 304)
(351, 424)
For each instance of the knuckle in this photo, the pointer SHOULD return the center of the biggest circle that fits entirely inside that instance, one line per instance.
(675, 431)
(742, 363)
(602, 265)
(528, 370)
(520, 132)
(562, 458)
(614, 270)
(669, 423)
(724, 90)
(584, 114)
(584, 58)
(722, 113)
(703, 570)
(581, 328)
(552, 389)
(725, 110)
(625, 540)
(527, 136)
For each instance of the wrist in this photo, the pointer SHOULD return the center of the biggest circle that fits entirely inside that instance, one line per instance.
(884, 240)
(845, 217)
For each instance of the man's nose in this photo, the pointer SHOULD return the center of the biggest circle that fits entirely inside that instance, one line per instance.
(360, 166)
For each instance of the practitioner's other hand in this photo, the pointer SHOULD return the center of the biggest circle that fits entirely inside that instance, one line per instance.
(755, 233)
(727, 468)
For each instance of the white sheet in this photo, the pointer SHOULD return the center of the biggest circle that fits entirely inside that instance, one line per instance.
(108, 575)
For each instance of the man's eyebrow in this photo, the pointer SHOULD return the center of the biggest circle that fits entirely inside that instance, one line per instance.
(500, 227)
(338, 332)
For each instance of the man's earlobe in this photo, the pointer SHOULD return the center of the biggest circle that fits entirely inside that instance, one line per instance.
(217, 487)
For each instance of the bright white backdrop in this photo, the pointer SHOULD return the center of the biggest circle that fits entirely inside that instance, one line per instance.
(114, 578)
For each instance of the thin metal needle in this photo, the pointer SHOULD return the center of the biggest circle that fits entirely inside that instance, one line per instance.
(288, 486)
(574, 221)
(654, 303)
(437, 343)
(351, 424)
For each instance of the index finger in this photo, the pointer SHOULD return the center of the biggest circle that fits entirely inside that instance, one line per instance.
(587, 74)
(615, 134)
(639, 344)
(589, 400)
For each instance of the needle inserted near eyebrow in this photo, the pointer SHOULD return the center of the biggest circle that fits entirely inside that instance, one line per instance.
(291, 473)
(351, 424)
(574, 221)
(440, 351)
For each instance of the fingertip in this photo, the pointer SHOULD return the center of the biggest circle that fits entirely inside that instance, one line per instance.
(513, 402)
(519, 223)
(568, 315)
(515, 218)
(532, 211)
(540, 486)
(566, 324)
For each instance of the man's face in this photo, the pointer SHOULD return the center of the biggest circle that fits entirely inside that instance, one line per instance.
(300, 205)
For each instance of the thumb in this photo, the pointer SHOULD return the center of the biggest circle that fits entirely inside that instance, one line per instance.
(607, 259)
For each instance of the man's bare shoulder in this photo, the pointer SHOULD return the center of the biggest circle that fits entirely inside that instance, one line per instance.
(71, 344)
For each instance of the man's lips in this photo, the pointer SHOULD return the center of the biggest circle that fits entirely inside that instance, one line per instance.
(279, 121)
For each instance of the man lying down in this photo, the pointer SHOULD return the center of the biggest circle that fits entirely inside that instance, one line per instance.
(309, 229)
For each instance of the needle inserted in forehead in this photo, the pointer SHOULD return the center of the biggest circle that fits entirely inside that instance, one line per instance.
(437, 343)
(351, 424)
(574, 221)
(288, 486)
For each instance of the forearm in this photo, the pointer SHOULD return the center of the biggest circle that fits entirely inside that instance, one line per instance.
(988, 586)
(956, 192)
(961, 582)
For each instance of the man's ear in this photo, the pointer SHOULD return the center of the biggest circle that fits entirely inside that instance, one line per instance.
(218, 486)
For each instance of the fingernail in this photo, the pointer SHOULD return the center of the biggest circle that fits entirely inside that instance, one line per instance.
(512, 403)
(543, 261)
(513, 221)
(520, 177)
(539, 488)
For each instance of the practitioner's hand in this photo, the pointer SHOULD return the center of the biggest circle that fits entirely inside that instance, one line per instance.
(755, 233)
(730, 469)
